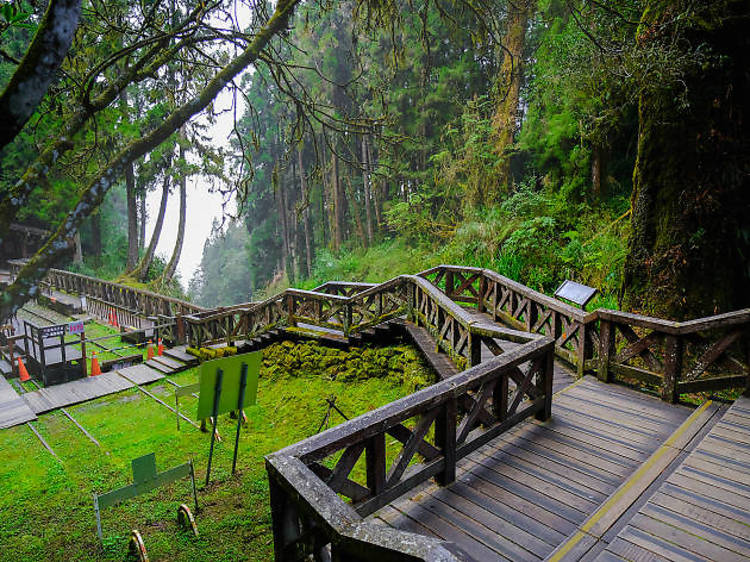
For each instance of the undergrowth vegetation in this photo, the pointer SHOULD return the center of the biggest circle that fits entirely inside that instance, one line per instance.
(50, 516)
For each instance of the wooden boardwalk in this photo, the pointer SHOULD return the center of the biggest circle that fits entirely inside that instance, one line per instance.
(524, 494)
(702, 510)
(13, 409)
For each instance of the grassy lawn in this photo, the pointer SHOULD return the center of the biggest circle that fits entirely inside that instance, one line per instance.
(46, 509)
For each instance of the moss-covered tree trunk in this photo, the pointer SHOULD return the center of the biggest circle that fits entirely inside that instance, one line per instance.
(689, 251)
(508, 90)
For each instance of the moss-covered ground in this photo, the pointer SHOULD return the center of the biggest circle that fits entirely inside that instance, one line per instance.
(46, 509)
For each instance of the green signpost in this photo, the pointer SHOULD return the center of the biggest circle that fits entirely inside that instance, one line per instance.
(145, 479)
(227, 385)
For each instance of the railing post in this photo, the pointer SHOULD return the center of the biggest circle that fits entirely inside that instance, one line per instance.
(606, 349)
(584, 347)
(475, 348)
(290, 311)
(284, 521)
(445, 439)
(375, 458)
(500, 398)
(181, 329)
(347, 318)
(532, 315)
(544, 383)
(449, 284)
(482, 293)
(672, 368)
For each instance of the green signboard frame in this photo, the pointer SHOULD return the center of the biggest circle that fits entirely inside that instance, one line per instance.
(145, 479)
(227, 385)
(230, 384)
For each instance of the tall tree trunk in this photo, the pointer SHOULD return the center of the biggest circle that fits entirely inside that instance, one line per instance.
(142, 218)
(352, 196)
(508, 89)
(175, 259)
(141, 272)
(337, 218)
(305, 214)
(689, 251)
(376, 189)
(281, 210)
(132, 205)
(598, 170)
(96, 235)
(366, 191)
(130, 201)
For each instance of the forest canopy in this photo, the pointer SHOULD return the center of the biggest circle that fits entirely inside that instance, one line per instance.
(600, 141)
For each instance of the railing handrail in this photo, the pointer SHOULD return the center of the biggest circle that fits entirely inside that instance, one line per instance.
(116, 286)
(673, 327)
(390, 415)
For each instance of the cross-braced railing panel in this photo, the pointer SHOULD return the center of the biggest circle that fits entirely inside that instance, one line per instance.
(358, 460)
(701, 355)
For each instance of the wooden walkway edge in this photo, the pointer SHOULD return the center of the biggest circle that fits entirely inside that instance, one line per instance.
(602, 520)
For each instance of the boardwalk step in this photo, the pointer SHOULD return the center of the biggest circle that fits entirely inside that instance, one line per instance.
(614, 513)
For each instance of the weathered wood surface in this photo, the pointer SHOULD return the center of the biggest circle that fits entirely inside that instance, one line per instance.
(13, 409)
(521, 495)
(442, 424)
(702, 510)
(90, 388)
(75, 392)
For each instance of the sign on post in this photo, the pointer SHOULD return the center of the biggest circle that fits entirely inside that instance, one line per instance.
(76, 327)
(575, 293)
(230, 385)
(145, 479)
(227, 385)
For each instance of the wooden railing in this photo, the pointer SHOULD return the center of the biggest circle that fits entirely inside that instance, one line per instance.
(126, 299)
(707, 354)
(575, 332)
(310, 516)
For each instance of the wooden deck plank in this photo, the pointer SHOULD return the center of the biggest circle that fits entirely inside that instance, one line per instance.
(702, 515)
(505, 462)
(636, 439)
(561, 467)
(14, 410)
(548, 519)
(634, 421)
(544, 438)
(521, 519)
(141, 374)
(692, 543)
(447, 530)
(582, 435)
(614, 397)
(172, 364)
(710, 503)
(631, 551)
(658, 546)
(718, 481)
(634, 551)
(467, 519)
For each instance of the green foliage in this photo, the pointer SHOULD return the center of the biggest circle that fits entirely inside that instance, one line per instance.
(234, 520)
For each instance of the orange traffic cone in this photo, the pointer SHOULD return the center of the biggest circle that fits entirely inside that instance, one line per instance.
(160, 348)
(23, 374)
(115, 322)
(95, 368)
(150, 349)
(109, 318)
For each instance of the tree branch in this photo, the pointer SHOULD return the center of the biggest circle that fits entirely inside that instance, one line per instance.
(31, 79)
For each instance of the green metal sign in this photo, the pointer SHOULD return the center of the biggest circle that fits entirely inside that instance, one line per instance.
(227, 385)
(229, 393)
(145, 479)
